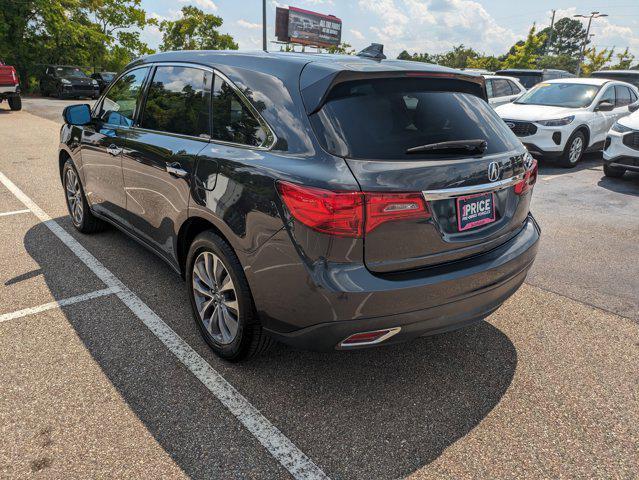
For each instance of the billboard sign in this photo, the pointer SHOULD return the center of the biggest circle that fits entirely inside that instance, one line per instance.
(307, 28)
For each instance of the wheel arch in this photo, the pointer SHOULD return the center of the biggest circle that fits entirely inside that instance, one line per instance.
(585, 129)
(190, 229)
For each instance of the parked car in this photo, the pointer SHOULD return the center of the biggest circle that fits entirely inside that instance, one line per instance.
(562, 119)
(628, 76)
(68, 82)
(259, 176)
(480, 71)
(104, 79)
(503, 90)
(529, 78)
(621, 151)
(10, 86)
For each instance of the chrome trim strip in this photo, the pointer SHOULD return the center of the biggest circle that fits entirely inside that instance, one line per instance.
(391, 332)
(484, 187)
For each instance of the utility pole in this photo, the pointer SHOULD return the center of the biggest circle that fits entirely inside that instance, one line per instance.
(587, 36)
(552, 29)
(264, 25)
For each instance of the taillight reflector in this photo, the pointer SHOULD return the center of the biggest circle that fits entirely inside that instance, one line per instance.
(529, 180)
(349, 214)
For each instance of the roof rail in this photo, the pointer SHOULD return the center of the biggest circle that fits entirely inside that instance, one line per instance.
(374, 51)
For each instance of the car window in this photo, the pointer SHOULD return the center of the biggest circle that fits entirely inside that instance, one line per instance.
(178, 101)
(489, 88)
(232, 120)
(570, 95)
(382, 118)
(118, 106)
(501, 87)
(608, 95)
(70, 72)
(633, 96)
(623, 96)
(514, 87)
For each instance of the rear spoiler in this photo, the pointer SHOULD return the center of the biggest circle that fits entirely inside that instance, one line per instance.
(314, 95)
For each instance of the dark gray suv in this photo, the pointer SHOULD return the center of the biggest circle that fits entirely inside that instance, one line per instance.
(329, 202)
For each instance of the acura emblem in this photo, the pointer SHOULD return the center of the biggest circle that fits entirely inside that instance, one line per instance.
(493, 171)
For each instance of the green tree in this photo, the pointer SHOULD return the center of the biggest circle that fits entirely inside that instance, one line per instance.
(342, 48)
(562, 62)
(624, 60)
(417, 57)
(525, 55)
(490, 63)
(196, 30)
(458, 57)
(568, 35)
(595, 60)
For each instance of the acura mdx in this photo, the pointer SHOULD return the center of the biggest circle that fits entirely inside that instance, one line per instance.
(329, 202)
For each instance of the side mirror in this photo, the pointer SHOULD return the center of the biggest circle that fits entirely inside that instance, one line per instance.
(633, 107)
(77, 114)
(604, 106)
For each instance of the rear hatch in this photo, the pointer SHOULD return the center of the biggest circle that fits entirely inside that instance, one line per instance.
(8, 76)
(470, 200)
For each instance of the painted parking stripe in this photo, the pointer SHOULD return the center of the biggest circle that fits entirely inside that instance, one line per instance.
(277, 444)
(15, 212)
(57, 304)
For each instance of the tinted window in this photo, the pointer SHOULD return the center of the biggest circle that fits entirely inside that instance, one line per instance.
(623, 96)
(107, 76)
(232, 120)
(489, 88)
(608, 96)
(528, 80)
(178, 101)
(501, 87)
(381, 119)
(633, 96)
(633, 79)
(570, 95)
(514, 87)
(70, 72)
(118, 107)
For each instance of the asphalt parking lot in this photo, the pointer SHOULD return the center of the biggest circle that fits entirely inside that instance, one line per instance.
(103, 372)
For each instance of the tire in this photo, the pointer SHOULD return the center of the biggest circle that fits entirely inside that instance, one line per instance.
(613, 172)
(574, 150)
(15, 103)
(84, 221)
(233, 331)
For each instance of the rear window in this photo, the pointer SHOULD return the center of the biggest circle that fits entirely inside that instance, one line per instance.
(382, 118)
(528, 80)
(632, 79)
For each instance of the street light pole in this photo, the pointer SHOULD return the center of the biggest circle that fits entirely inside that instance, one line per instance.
(587, 36)
(264, 25)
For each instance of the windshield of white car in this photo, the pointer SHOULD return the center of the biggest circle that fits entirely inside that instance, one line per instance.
(569, 95)
(70, 72)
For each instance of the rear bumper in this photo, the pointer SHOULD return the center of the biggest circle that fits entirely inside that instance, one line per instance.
(9, 89)
(421, 303)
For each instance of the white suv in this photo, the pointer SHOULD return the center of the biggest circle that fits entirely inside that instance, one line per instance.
(563, 118)
(621, 151)
(502, 89)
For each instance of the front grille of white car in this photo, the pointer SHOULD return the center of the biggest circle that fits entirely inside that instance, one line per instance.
(522, 129)
(631, 140)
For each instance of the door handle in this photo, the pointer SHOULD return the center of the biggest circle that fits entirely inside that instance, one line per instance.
(114, 150)
(176, 170)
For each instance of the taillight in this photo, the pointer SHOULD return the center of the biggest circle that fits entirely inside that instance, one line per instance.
(349, 214)
(14, 75)
(336, 213)
(530, 177)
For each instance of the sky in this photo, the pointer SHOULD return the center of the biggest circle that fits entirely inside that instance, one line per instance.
(433, 26)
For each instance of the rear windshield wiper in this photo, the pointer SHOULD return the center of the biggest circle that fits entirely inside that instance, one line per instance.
(454, 146)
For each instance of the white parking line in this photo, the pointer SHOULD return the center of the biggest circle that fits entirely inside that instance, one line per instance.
(277, 444)
(57, 304)
(15, 212)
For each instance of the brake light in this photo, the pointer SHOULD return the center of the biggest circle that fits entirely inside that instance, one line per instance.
(14, 75)
(530, 177)
(349, 214)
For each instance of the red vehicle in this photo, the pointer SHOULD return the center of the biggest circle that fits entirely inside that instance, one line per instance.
(10, 86)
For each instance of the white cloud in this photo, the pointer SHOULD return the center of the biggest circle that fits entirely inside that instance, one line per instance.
(357, 34)
(203, 4)
(251, 26)
(319, 2)
(436, 25)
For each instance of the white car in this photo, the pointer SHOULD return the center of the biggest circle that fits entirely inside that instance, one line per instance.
(502, 89)
(621, 150)
(563, 118)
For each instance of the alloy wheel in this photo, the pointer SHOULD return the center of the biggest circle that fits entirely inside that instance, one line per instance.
(215, 297)
(576, 147)
(74, 196)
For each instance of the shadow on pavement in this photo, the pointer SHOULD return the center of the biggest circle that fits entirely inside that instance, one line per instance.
(627, 185)
(378, 413)
(588, 161)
